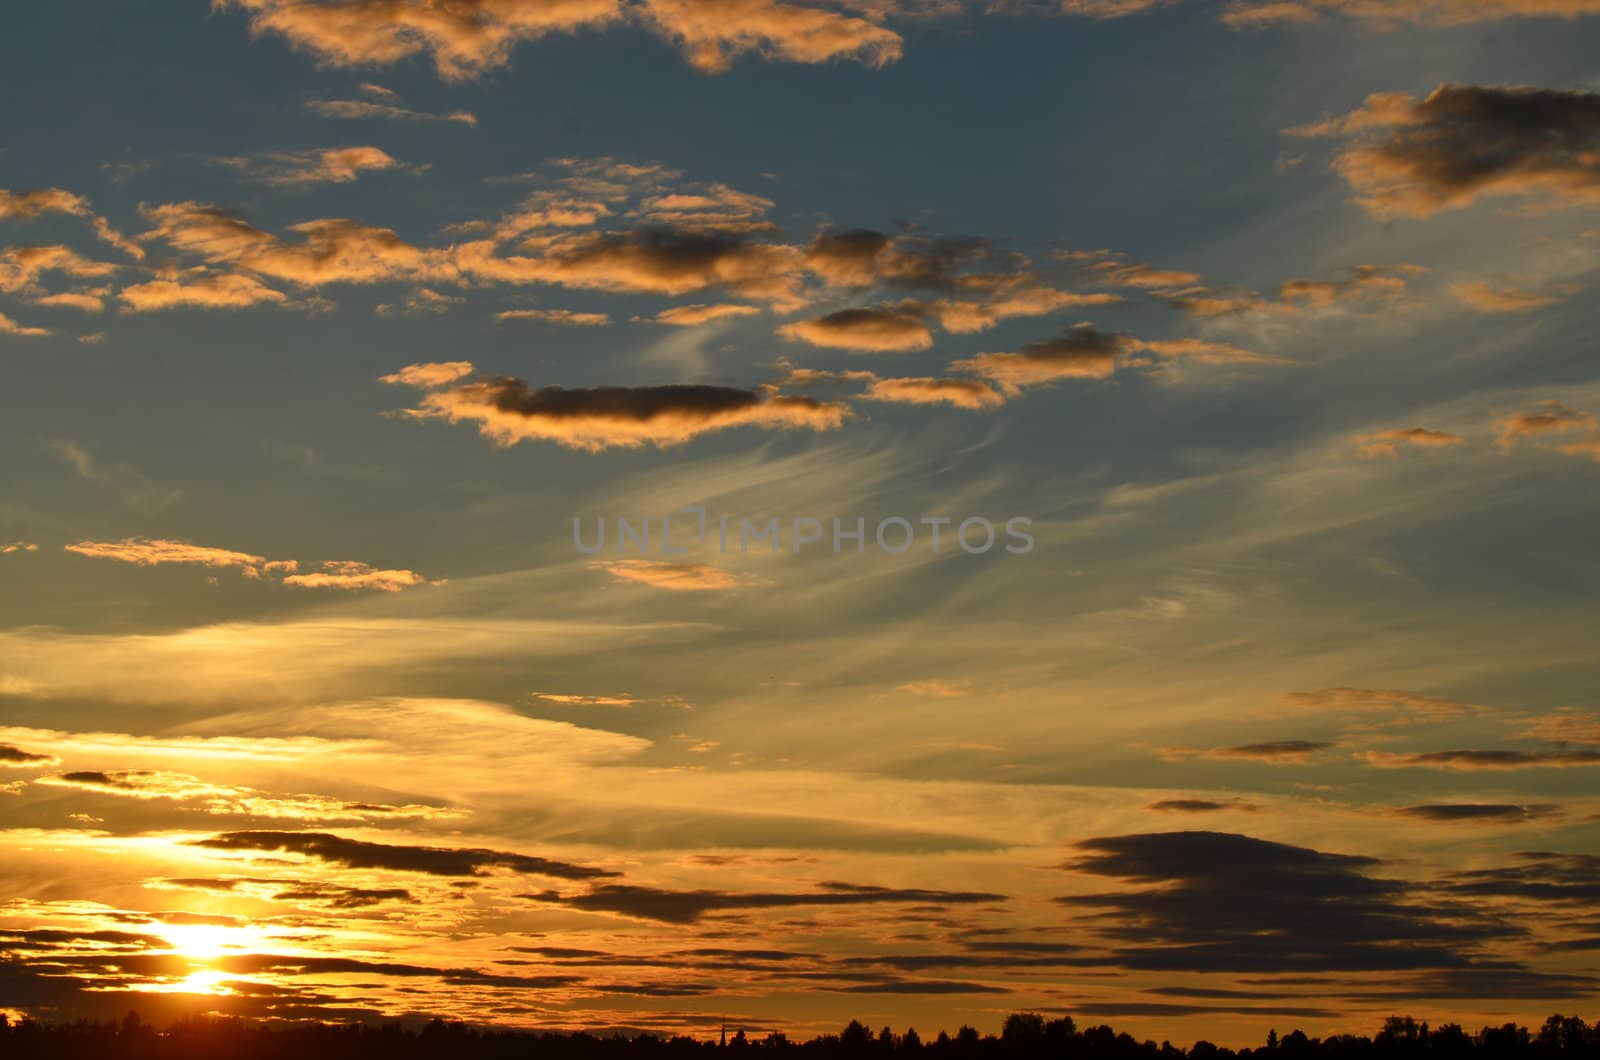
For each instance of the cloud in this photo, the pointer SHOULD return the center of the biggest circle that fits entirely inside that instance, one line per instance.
(679, 577)
(1376, 444)
(384, 105)
(423, 300)
(1367, 289)
(935, 689)
(654, 260)
(26, 205)
(1082, 353)
(351, 576)
(1461, 143)
(874, 330)
(131, 485)
(1474, 760)
(1543, 876)
(330, 165)
(568, 317)
(962, 393)
(1273, 751)
(330, 250)
(688, 316)
(1196, 806)
(686, 907)
(466, 40)
(1138, 274)
(1552, 417)
(566, 699)
(18, 546)
(200, 289)
(346, 575)
(1589, 447)
(1478, 813)
(1567, 725)
(1488, 299)
(147, 552)
(21, 267)
(11, 327)
(430, 375)
(1368, 700)
(507, 411)
(1261, 13)
(149, 784)
(434, 861)
(14, 757)
(90, 301)
(1221, 902)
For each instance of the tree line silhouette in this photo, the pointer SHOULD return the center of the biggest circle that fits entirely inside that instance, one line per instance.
(1025, 1036)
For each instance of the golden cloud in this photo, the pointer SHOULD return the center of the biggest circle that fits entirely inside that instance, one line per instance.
(678, 577)
(507, 411)
(1414, 158)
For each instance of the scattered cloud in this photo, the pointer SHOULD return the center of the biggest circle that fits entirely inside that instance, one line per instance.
(1551, 418)
(1461, 143)
(867, 330)
(688, 316)
(352, 576)
(567, 317)
(1387, 444)
(679, 577)
(1486, 298)
(467, 42)
(508, 411)
(329, 165)
(433, 861)
(385, 105)
(1472, 760)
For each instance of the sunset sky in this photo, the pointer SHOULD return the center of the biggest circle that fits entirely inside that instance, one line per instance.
(322, 320)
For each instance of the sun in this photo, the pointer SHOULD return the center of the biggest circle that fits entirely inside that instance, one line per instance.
(207, 942)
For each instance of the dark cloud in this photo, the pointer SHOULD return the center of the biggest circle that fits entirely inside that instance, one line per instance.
(1215, 901)
(435, 861)
(16, 757)
(1196, 806)
(1539, 875)
(1413, 158)
(684, 907)
(335, 897)
(1479, 812)
(1485, 759)
(1274, 750)
(509, 411)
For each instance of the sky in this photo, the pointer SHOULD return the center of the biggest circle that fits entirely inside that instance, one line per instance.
(1241, 354)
